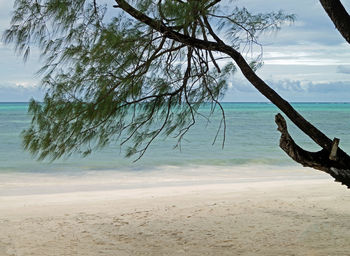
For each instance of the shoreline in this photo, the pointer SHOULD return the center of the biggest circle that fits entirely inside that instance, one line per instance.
(11, 202)
(36, 183)
(308, 216)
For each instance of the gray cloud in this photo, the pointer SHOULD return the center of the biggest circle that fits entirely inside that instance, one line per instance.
(313, 92)
(292, 90)
(340, 88)
(343, 69)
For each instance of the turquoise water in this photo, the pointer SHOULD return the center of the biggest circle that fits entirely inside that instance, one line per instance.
(251, 139)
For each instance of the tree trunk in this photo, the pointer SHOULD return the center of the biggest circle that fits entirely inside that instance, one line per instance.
(339, 16)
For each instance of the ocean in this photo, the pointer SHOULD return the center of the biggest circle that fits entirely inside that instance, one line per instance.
(251, 139)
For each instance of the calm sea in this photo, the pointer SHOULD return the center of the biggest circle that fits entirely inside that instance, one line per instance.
(251, 139)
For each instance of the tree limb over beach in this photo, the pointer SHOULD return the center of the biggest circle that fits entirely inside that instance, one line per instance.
(147, 72)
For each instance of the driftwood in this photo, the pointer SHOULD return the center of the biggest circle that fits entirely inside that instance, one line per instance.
(335, 162)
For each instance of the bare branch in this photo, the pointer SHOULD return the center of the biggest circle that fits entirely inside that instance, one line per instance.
(339, 16)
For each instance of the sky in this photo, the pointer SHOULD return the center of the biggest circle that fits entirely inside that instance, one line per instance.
(307, 61)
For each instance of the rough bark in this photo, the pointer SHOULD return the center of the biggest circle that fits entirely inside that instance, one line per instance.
(334, 162)
(320, 160)
(339, 16)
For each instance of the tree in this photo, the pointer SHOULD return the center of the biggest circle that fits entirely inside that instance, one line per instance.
(339, 16)
(333, 161)
(145, 73)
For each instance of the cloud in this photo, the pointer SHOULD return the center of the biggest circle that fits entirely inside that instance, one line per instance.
(314, 92)
(339, 88)
(303, 61)
(343, 69)
(310, 54)
(19, 93)
(292, 90)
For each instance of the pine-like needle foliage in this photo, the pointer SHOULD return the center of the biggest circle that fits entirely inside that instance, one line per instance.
(110, 79)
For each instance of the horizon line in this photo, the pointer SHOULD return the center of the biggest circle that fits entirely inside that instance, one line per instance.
(267, 102)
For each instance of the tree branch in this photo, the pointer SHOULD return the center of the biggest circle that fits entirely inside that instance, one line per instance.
(339, 16)
(337, 168)
(315, 134)
(320, 160)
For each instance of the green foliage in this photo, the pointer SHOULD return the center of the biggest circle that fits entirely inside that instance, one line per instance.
(116, 79)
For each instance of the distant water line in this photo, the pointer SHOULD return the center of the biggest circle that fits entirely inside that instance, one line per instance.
(251, 139)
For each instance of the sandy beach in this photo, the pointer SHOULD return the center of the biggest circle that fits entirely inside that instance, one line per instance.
(305, 216)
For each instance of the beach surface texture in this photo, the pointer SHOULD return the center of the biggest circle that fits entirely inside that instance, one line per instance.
(287, 212)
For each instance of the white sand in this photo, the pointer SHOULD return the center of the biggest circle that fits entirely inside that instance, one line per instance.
(286, 216)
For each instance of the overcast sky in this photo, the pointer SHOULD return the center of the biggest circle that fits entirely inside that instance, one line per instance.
(307, 61)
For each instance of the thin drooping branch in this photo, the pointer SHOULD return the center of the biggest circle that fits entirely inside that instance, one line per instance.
(316, 135)
(339, 16)
(335, 165)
